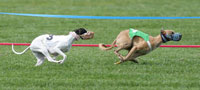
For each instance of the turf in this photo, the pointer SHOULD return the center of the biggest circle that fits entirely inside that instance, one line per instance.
(88, 68)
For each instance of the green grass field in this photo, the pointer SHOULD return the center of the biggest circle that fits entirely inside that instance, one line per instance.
(88, 68)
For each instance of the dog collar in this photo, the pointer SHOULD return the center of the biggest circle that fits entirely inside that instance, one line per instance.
(164, 38)
(149, 44)
(77, 37)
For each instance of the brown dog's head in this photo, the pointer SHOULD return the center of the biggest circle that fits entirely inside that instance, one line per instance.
(170, 35)
(84, 34)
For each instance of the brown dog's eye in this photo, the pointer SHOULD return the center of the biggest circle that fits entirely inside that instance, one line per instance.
(172, 32)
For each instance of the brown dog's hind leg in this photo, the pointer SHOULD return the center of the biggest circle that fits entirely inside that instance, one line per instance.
(119, 55)
(117, 52)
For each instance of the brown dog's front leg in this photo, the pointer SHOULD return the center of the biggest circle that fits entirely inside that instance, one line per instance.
(130, 53)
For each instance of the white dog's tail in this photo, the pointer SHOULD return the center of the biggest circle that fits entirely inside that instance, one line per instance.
(19, 52)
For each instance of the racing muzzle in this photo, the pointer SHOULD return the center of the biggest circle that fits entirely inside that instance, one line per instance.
(173, 37)
(176, 37)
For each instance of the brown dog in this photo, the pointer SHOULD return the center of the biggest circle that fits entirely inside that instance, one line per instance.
(137, 46)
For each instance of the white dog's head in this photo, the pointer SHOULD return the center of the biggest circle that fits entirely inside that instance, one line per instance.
(84, 34)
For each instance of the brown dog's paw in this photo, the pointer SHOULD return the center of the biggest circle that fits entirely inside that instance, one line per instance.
(119, 62)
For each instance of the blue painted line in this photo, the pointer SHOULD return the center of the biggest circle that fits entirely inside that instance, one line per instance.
(95, 17)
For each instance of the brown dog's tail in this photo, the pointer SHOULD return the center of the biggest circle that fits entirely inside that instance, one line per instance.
(105, 48)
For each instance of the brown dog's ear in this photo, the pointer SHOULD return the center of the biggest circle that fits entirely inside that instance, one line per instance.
(163, 32)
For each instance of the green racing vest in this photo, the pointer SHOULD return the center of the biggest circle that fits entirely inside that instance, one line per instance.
(133, 33)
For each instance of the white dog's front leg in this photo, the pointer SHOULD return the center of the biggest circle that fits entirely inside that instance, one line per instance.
(62, 54)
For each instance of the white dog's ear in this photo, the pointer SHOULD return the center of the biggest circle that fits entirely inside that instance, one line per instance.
(80, 31)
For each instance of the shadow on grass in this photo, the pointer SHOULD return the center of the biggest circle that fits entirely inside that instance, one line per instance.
(149, 63)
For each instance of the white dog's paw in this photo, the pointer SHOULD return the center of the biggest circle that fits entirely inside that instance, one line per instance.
(61, 61)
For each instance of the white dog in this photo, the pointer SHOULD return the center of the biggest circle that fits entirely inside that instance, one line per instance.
(47, 45)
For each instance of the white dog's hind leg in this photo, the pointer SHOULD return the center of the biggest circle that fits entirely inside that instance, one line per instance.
(40, 58)
(55, 56)
(48, 56)
(62, 54)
